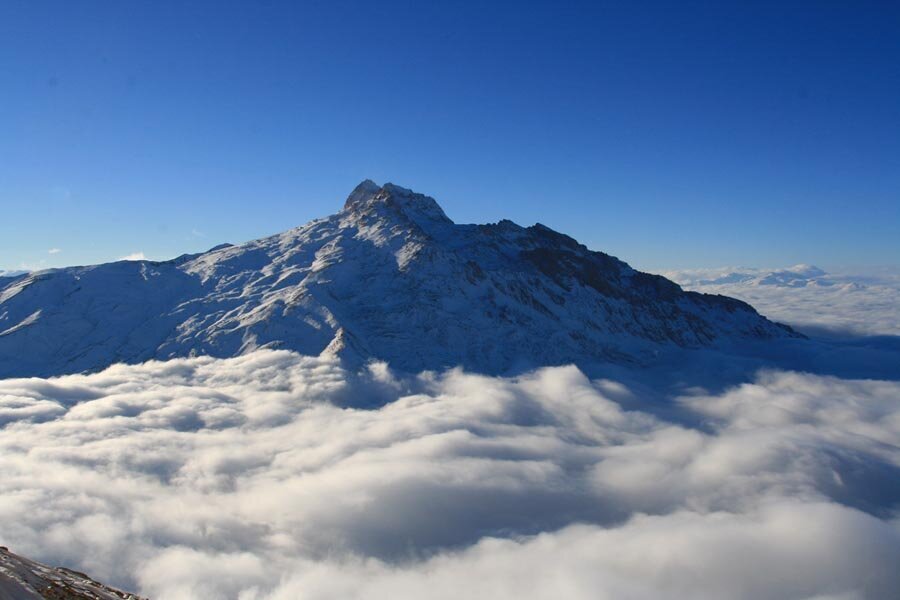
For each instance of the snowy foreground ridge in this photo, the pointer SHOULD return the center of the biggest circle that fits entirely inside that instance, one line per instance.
(23, 579)
(388, 277)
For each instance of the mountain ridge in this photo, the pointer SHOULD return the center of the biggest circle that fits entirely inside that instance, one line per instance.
(388, 277)
(25, 579)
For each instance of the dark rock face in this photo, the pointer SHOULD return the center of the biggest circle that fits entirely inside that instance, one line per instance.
(389, 277)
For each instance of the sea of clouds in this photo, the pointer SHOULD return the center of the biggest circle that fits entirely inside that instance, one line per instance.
(833, 304)
(259, 477)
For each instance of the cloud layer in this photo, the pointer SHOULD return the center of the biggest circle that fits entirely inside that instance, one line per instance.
(255, 478)
(807, 297)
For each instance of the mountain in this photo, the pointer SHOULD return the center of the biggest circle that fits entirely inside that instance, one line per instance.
(23, 579)
(794, 277)
(388, 277)
(11, 273)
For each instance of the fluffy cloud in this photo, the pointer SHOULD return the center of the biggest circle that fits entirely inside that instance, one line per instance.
(134, 256)
(262, 477)
(808, 297)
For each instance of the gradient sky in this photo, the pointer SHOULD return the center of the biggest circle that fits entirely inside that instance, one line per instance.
(670, 134)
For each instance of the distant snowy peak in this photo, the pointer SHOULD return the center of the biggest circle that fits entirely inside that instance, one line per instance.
(389, 277)
(24, 579)
(860, 302)
(796, 276)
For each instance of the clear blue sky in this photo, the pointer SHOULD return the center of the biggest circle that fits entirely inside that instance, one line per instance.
(671, 134)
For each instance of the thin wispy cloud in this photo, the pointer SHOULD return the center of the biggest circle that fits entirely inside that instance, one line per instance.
(61, 192)
(33, 266)
(134, 256)
(54, 251)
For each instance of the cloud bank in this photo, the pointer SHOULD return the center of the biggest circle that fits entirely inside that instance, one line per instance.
(256, 478)
(807, 297)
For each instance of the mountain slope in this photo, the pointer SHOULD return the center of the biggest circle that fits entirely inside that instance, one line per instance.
(388, 277)
(23, 579)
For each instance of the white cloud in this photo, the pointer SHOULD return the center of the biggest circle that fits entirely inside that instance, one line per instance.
(808, 298)
(782, 550)
(54, 251)
(134, 256)
(254, 477)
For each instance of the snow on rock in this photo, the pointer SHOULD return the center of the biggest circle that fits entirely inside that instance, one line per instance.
(23, 579)
(389, 277)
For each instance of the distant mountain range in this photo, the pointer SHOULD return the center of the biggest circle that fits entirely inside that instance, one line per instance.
(794, 277)
(861, 302)
(389, 277)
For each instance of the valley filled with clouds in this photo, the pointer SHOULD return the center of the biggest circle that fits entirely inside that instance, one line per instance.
(275, 476)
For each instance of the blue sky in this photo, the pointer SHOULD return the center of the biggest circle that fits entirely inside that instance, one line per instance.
(670, 134)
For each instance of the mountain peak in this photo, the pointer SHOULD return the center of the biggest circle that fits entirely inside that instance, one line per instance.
(362, 192)
(368, 198)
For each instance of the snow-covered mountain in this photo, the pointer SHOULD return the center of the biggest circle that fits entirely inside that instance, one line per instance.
(24, 579)
(796, 276)
(389, 277)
